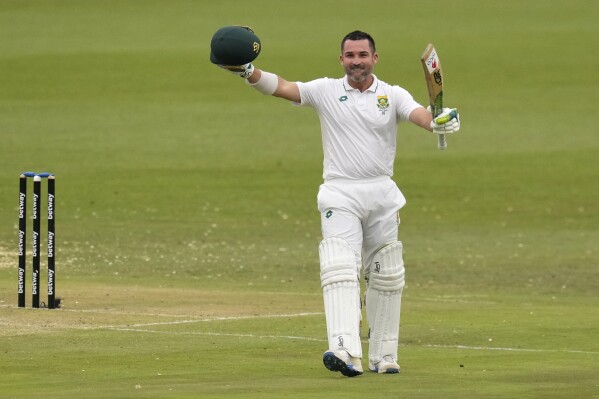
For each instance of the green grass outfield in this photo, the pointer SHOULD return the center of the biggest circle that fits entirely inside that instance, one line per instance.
(187, 229)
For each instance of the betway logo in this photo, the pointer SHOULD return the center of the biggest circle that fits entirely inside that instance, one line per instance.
(21, 206)
(21, 281)
(50, 206)
(34, 284)
(50, 282)
(50, 244)
(21, 243)
(35, 197)
(35, 244)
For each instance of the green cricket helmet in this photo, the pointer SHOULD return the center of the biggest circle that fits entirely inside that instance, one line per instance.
(234, 45)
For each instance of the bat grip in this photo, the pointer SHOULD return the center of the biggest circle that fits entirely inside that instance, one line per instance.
(442, 143)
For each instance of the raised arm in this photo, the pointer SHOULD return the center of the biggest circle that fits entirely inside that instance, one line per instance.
(421, 117)
(446, 123)
(264, 82)
(234, 48)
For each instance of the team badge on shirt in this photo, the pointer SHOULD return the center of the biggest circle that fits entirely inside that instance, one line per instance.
(382, 103)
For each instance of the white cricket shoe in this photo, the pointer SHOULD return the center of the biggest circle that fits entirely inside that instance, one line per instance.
(388, 365)
(340, 360)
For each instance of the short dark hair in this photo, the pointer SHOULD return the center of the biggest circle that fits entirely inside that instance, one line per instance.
(359, 35)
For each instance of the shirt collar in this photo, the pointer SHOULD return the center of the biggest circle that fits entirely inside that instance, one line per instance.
(372, 88)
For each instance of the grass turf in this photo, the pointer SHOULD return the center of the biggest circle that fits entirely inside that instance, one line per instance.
(187, 228)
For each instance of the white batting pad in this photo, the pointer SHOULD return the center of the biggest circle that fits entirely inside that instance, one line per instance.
(341, 306)
(341, 293)
(337, 261)
(383, 301)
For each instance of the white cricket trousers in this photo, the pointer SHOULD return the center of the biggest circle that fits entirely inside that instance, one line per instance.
(363, 212)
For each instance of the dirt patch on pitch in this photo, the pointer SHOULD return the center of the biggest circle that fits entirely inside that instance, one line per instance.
(93, 307)
(8, 258)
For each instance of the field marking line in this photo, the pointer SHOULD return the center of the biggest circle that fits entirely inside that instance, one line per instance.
(464, 347)
(205, 320)
(455, 300)
(134, 328)
(492, 348)
(221, 334)
(125, 313)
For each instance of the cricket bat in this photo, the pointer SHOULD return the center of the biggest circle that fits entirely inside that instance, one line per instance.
(434, 83)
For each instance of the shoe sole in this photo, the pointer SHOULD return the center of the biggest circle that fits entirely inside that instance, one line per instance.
(333, 363)
(388, 371)
(391, 371)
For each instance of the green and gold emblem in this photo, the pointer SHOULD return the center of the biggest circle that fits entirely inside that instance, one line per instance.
(382, 102)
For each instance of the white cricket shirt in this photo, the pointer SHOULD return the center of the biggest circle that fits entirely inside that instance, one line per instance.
(358, 128)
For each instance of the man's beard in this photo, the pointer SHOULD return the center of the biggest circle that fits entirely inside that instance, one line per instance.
(364, 72)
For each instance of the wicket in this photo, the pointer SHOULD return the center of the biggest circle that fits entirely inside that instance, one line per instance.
(53, 302)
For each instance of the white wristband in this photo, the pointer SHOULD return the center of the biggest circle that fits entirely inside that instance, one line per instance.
(267, 84)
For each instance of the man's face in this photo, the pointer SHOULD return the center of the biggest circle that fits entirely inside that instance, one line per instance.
(358, 60)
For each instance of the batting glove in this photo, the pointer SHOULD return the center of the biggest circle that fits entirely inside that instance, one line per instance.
(447, 122)
(244, 71)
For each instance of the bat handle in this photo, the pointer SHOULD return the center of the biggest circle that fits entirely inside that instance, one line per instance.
(442, 142)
